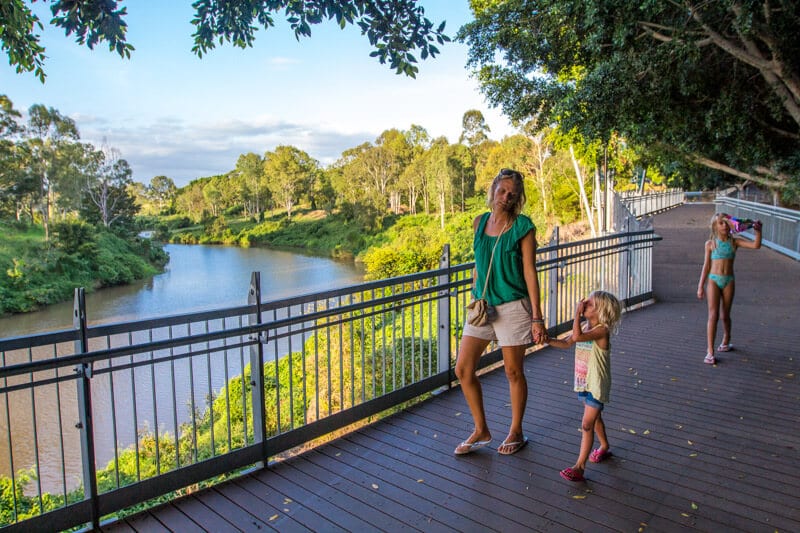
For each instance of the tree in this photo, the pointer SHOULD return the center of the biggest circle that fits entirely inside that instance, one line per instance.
(289, 172)
(162, 191)
(715, 84)
(396, 29)
(48, 131)
(108, 192)
(474, 130)
(250, 170)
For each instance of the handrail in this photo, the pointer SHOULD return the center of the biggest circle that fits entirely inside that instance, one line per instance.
(185, 386)
(781, 226)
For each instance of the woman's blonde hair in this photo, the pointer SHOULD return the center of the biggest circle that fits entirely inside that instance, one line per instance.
(609, 310)
(508, 174)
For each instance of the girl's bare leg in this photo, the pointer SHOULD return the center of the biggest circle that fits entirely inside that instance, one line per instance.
(600, 431)
(713, 297)
(725, 311)
(466, 365)
(590, 417)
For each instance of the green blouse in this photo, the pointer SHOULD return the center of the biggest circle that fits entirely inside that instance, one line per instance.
(507, 281)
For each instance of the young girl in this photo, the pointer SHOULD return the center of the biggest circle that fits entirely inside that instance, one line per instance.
(716, 279)
(602, 312)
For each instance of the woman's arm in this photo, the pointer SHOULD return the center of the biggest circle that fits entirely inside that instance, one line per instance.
(528, 248)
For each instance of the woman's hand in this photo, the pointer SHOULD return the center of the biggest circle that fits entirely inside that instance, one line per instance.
(539, 332)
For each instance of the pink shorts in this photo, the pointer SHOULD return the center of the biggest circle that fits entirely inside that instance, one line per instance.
(511, 327)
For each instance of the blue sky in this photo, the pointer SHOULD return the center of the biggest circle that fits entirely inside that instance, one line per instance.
(170, 113)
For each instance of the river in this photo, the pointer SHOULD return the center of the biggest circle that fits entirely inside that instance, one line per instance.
(197, 278)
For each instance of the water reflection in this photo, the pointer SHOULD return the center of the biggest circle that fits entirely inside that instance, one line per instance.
(197, 278)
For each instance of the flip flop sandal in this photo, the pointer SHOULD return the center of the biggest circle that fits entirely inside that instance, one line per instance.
(598, 456)
(469, 447)
(513, 447)
(572, 475)
(725, 347)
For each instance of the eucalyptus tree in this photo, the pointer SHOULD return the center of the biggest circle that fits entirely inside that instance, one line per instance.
(289, 173)
(474, 129)
(109, 200)
(47, 133)
(161, 191)
(711, 84)
(396, 29)
(250, 171)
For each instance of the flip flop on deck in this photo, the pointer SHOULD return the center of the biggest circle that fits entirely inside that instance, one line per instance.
(509, 448)
(469, 447)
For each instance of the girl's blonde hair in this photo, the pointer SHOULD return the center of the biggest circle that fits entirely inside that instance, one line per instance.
(508, 174)
(713, 223)
(609, 310)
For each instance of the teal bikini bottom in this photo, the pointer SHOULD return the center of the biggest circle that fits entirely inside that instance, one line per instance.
(720, 279)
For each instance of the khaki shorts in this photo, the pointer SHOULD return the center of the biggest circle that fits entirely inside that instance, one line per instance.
(511, 327)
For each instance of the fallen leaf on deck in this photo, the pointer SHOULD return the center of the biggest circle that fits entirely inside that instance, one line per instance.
(685, 515)
(694, 506)
(273, 517)
(458, 414)
(374, 486)
(287, 501)
(579, 497)
(632, 432)
(673, 379)
(420, 481)
(690, 443)
(646, 432)
(693, 454)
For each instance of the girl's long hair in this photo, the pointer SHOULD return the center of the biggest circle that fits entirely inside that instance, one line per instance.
(609, 310)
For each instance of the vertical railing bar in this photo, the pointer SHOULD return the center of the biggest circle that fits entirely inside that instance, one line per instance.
(35, 433)
(174, 400)
(351, 322)
(316, 366)
(192, 395)
(86, 425)
(291, 365)
(275, 356)
(240, 323)
(113, 405)
(303, 341)
(60, 429)
(135, 411)
(12, 473)
(342, 401)
(372, 319)
(226, 373)
(210, 395)
(155, 404)
(328, 363)
(257, 385)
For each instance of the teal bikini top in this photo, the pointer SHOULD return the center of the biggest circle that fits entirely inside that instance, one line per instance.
(723, 250)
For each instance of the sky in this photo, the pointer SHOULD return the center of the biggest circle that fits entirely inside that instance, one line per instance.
(171, 113)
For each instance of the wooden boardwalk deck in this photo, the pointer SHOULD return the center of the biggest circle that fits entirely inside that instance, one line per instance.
(695, 447)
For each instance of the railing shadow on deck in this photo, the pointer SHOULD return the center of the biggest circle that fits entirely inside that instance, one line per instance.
(113, 416)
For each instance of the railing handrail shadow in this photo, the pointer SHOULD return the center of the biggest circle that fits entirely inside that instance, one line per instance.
(374, 346)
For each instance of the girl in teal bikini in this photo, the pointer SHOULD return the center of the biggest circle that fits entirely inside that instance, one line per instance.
(716, 279)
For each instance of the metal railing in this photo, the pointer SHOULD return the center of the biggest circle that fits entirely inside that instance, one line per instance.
(641, 205)
(781, 230)
(100, 419)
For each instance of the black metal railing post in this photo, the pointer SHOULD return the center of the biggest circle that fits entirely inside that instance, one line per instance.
(257, 368)
(443, 311)
(85, 424)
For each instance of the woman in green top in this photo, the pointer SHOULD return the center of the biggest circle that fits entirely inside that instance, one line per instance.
(505, 240)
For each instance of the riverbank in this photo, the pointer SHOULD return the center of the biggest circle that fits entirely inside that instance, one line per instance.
(40, 273)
